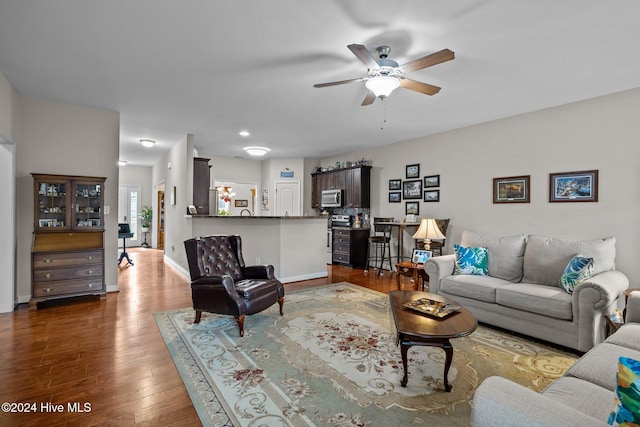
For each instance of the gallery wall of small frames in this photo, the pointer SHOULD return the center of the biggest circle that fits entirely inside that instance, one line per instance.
(413, 188)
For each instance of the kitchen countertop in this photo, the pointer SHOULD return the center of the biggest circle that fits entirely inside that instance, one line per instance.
(259, 216)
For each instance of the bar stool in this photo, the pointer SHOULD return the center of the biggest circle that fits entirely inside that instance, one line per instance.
(379, 241)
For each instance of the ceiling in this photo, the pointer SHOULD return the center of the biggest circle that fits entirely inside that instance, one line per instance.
(212, 68)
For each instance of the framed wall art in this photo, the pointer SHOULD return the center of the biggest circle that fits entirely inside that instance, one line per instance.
(241, 203)
(412, 171)
(412, 189)
(395, 196)
(431, 181)
(412, 208)
(511, 189)
(579, 186)
(431, 195)
(395, 184)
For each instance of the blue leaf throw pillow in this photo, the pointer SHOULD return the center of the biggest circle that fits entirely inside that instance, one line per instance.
(626, 409)
(578, 269)
(473, 261)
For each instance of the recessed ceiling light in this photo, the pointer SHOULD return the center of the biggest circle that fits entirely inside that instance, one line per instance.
(244, 133)
(122, 162)
(256, 151)
(147, 142)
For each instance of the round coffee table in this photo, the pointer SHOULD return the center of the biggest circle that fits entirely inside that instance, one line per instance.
(415, 328)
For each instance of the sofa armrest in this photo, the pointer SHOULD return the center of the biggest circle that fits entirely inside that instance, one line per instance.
(500, 402)
(633, 308)
(437, 268)
(258, 272)
(608, 284)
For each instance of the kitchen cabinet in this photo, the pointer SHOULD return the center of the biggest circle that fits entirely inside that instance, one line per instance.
(67, 253)
(355, 181)
(350, 246)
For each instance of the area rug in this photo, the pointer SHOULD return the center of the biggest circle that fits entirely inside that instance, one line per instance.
(332, 360)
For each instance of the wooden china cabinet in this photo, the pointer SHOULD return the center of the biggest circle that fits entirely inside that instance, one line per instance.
(67, 252)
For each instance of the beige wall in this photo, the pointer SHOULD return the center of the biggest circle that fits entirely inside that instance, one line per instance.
(64, 139)
(601, 133)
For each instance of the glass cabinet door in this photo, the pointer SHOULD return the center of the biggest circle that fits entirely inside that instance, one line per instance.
(87, 203)
(53, 205)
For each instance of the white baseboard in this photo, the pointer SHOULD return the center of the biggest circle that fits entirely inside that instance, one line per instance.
(309, 276)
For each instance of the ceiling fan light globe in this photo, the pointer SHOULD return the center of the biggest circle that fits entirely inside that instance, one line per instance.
(382, 86)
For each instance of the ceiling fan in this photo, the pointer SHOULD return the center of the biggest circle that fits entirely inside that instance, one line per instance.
(385, 75)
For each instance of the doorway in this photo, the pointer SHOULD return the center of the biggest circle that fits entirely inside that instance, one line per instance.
(288, 198)
(160, 218)
(129, 199)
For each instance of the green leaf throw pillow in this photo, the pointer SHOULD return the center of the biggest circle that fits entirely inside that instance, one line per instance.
(626, 410)
(473, 261)
(579, 268)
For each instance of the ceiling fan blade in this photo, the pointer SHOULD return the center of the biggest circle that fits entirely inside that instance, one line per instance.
(425, 88)
(427, 61)
(368, 100)
(341, 82)
(364, 55)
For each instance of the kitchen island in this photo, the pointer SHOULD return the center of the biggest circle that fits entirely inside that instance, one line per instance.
(296, 246)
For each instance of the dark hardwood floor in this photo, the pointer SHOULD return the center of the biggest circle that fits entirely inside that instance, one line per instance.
(109, 354)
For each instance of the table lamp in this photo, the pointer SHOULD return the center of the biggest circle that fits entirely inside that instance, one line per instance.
(428, 230)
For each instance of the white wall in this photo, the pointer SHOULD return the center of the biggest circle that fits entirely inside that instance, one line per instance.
(65, 139)
(601, 133)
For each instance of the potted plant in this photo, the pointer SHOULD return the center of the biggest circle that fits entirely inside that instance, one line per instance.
(145, 218)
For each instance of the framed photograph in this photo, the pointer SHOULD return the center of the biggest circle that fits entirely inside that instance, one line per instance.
(432, 181)
(573, 186)
(45, 223)
(241, 203)
(412, 189)
(432, 196)
(395, 184)
(419, 256)
(412, 208)
(193, 210)
(511, 189)
(413, 171)
(394, 197)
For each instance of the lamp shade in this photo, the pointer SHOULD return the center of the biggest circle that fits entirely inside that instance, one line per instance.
(428, 230)
(382, 86)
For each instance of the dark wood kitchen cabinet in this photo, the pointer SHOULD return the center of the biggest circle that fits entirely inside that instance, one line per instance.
(350, 246)
(201, 183)
(355, 181)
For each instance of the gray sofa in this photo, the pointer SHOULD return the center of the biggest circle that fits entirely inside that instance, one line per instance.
(521, 292)
(584, 396)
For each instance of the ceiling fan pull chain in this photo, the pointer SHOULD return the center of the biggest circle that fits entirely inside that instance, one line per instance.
(384, 114)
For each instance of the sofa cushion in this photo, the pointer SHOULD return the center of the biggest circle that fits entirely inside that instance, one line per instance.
(584, 396)
(627, 402)
(627, 336)
(600, 364)
(506, 253)
(481, 288)
(545, 258)
(544, 300)
(470, 261)
(579, 268)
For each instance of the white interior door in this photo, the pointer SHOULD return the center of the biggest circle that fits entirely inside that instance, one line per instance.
(129, 199)
(288, 198)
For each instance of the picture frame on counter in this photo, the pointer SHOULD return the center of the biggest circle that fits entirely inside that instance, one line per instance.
(431, 181)
(581, 186)
(243, 203)
(395, 197)
(511, 189)
(420, 256)
(395, 184)
(412, 189)
(412, 208)
(431, 196)
(412, 171)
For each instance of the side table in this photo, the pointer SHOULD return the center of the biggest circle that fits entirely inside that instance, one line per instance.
(415, 271)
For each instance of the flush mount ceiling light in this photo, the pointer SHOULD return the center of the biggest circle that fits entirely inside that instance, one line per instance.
(244, 133)
(256, 151)
(147, 142)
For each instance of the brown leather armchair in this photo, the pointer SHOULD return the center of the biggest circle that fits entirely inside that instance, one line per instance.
(222, 283)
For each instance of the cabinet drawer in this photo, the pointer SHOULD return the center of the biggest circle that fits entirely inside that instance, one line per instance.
(341, 247)
(65, 287)
(342, 239)
(42, 275)
(61, 259)
(341, 258)
(338, 232)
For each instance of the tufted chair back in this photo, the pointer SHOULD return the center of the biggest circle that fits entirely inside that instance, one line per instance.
(216, 255)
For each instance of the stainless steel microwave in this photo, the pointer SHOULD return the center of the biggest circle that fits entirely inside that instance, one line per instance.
(331, 199)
